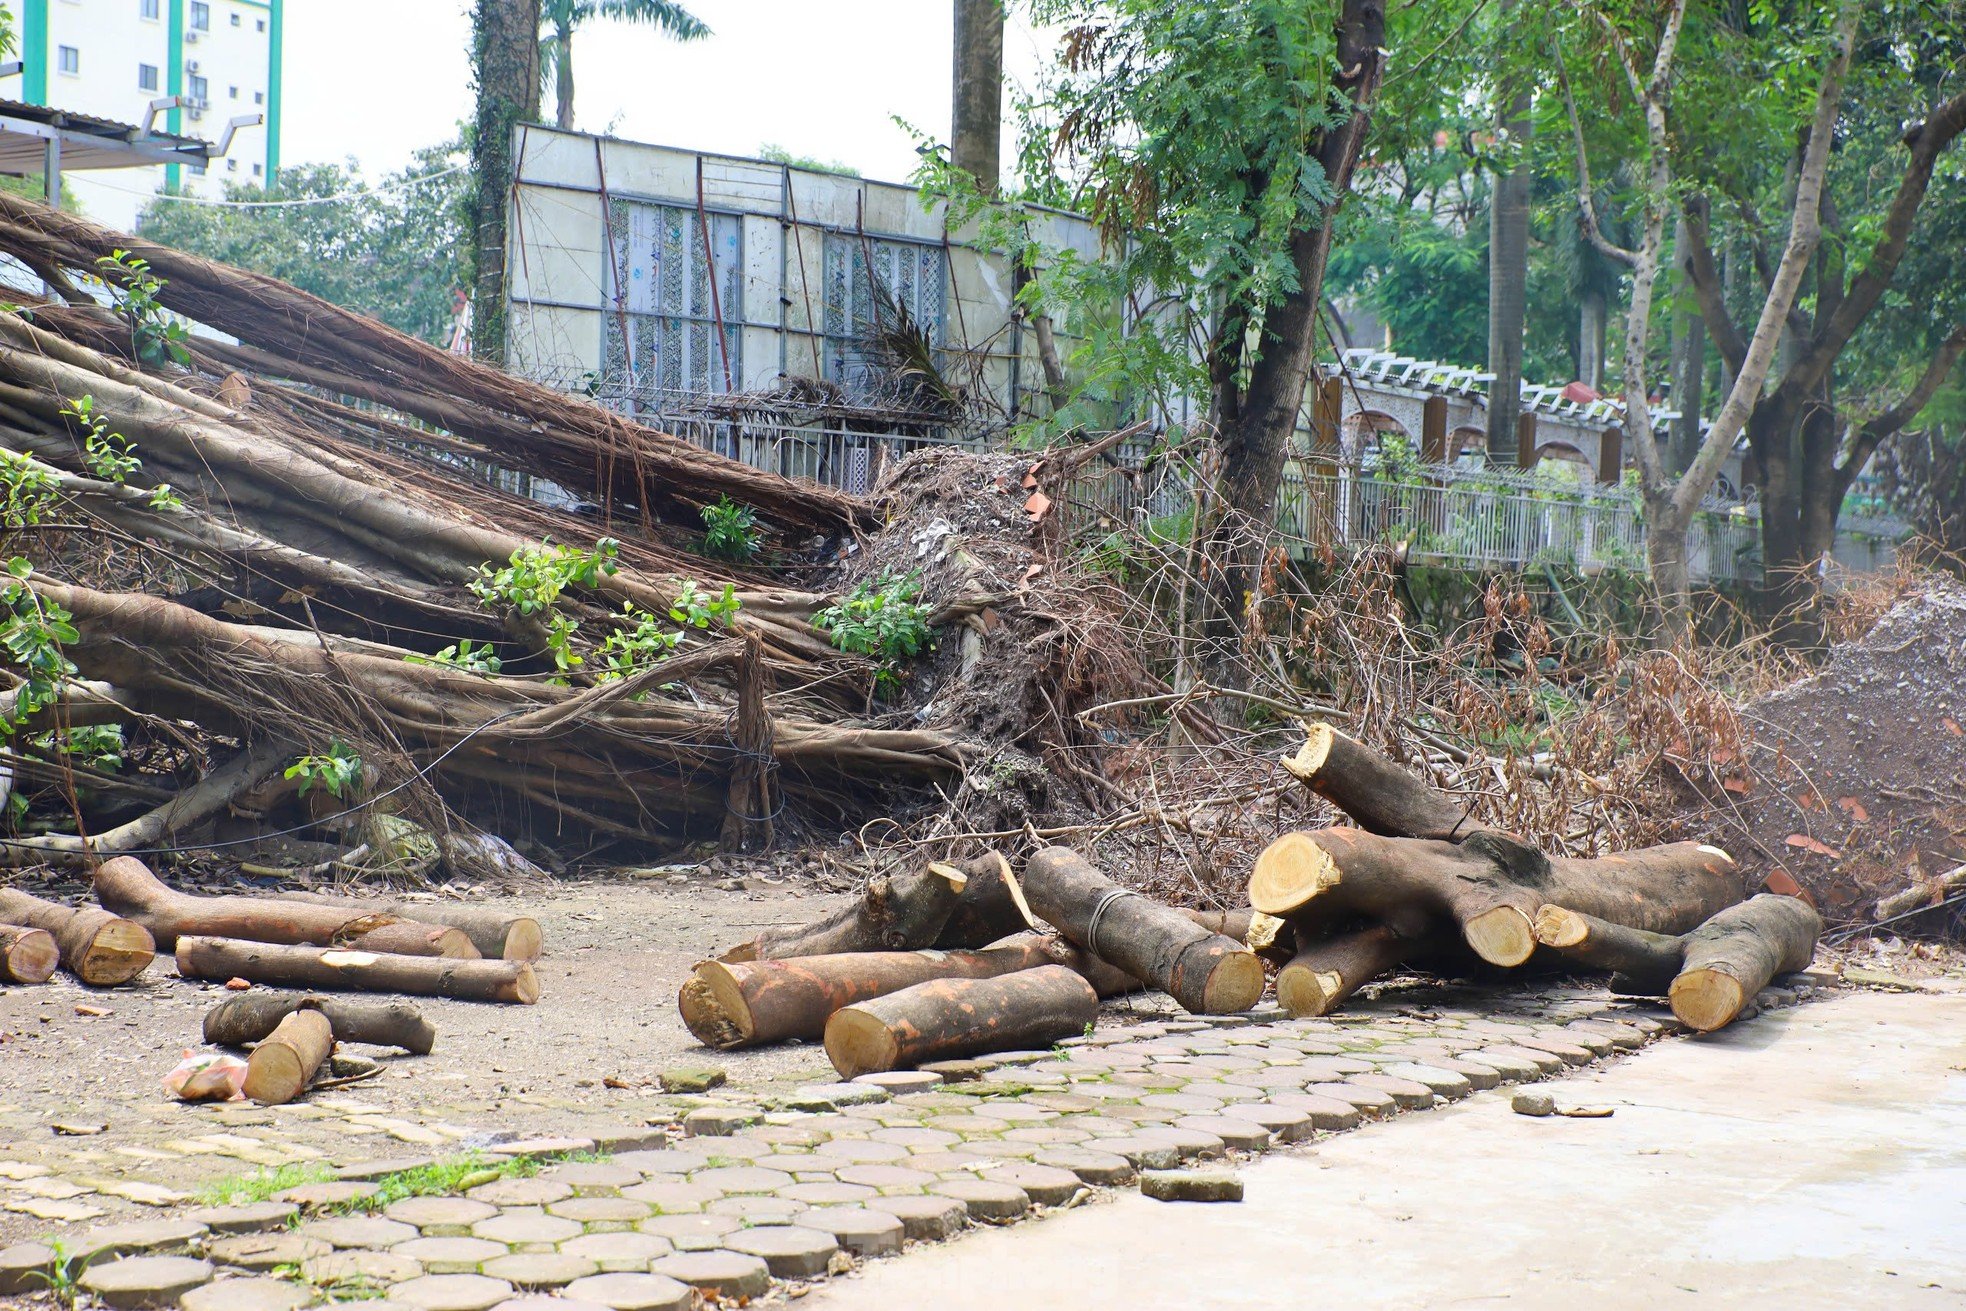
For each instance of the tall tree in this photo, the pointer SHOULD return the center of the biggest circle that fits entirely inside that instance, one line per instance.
(562, 18)
(505, 75)
(1671, 502)
(1508, 248)
(976, 115)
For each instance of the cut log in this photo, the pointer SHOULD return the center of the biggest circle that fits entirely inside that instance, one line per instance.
(1708, 974)
(27, 955)
(754, 1002)
(281, 1067)
(496, 934)
(1208, 973)
(247, 1018)
(1106, 980)
(339, 969)
(1490, 885)
(946, 1019)
(1327, 970)
(1380, 796)
(100, 949)
(126, 885)
(1919, 896)
(992, 905)
(897, 912)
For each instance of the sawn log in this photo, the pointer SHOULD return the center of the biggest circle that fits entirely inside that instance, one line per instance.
(248, 1017)
(27, 955)
(100, 949)
(949, 1018)
(357, 971)
(1380, 796)
(281, 1067)
(496, 934)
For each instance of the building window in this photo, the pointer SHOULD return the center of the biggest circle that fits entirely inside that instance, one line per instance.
(201, 16)
(658, 283)
(146, 77)
(262, 25)
(231, 166)
(258, 169)
(198, 86)
(148, 9)
(905, 281)
(69, 59)
(235, 20)
(259, 97)
(234, 92)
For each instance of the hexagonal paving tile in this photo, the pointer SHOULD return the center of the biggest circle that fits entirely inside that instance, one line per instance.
(248, 1295)
(265, 1251)
(251, 1217)
(145, 1281)
(437, 1216)
(632, 1292)
(865, 1231)
(1404, 1092)
(450, 1256)
(986, 1199)
(358, 1231)
(450, 1293)
(312, 1197)
(525, 1227)
(789, 1251)
(730, 1275)
(543, 1269)
(359, 1267)
(607, 1211)
(1090, 1165)
(613, 1252)
(521, 1192)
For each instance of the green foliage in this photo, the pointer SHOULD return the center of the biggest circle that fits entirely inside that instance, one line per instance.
(28, 491)
(641, 640)
(155, 334)
(464, 654)
(881, 619)
(395, 251)
(33, 631)
(338, 771)
(695, 609)
(730, 530)
(111, 456)
(62, 1279)
(536, 575)
(99, 746)
(780, 155)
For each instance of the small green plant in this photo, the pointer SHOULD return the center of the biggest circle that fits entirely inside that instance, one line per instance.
(63, 1275)
(641, 640)
(154, 334)
(882, 619)
(261, 1185)
(730, 530)
(110, 455)
(32, 633)
(28, 491)
(337, 771)
(695, 609)
(99, 746)
(471, 657)
(535, 576)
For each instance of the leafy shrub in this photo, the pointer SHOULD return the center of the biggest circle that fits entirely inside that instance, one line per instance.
(881, 619)
(730, 530)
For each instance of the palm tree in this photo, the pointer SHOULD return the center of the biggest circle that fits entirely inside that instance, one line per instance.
(559, 18)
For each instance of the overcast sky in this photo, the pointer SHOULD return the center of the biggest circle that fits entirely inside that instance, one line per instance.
(376, 79)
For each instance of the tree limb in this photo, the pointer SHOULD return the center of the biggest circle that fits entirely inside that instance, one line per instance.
(1702, 272)
(1586, 205)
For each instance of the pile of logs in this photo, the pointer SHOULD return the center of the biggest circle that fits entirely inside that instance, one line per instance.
(949, 961)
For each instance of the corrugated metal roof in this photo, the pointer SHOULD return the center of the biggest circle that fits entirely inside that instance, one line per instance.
(87, 142)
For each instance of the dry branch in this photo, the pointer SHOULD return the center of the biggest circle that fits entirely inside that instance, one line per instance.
(948, 1018)
(896, 912)
(100, 949)
(246, 1018)
(338, 969)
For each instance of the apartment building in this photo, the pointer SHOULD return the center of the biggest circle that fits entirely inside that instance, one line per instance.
(112, 58)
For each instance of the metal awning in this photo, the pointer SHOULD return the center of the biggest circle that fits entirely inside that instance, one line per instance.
(87, 142)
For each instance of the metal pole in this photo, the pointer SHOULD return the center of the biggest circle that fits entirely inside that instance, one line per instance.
(51, 170)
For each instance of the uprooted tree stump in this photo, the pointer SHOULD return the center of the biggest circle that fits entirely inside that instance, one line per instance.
(1708, 974)
(283, 1064)
(949, 1018)
(27, 955)
(1379, 795)
(1490, 885)
(357, 971)
(746, 1003)
(100, 949)
(126, 885)
(1207, 973)
(247, 1018)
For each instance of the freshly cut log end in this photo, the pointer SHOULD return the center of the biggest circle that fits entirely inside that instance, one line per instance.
(1557, 927)
(1502, 936)
(1706, 999)
(1378, 794)
(27, 955)
(1303, 990)
(704, 1018)
(116, 953)
(1310, 758)
(1327, 970)
(281, 1067)
(1262, 933)
(523, 940)
(1235, 983)
(1291, 872)
(949, 1018)
(726, 997)
(100, 949)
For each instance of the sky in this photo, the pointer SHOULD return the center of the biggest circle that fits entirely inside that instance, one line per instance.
(376, 79)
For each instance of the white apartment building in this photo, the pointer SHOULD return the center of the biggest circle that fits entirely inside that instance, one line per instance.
(111, 58)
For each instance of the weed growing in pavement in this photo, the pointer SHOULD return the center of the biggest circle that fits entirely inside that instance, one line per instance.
(261, 1185)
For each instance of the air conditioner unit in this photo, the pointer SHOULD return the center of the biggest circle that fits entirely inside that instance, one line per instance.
(191, 65)
(197, 114)
(191, 38)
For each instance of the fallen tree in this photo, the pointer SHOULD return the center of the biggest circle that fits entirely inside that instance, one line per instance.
(497, 934)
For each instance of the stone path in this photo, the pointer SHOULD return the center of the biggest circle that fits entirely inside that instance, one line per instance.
(759, 1196)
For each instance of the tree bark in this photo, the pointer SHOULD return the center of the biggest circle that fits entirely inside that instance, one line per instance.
(496, 934)
(950, 1018)
(563, 77)
(1379, 795)
(1207, 973)
(756, 1002)
(1490, 886)
(100, 949)
(1710, 973)
(1508, 258)
(992, 906)
(339, 969)
(976, 114)
(1325, 971)
(27, 955)
(505, 74)
(896, 912)
(281, 1067)
(248, 1017)
(126, 886)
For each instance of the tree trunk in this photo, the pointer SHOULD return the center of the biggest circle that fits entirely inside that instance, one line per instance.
(1208, 973)
(27, 955)
(1379, 795)
(896, 912)
(1325, 971)
(992, 905)
(1709, 973)
(100, 949)
(563, 76)
(248, 1017)
(756, 1002)
(1490, 885)
(505, 74)
(1593, 326)
(976, 115)
(1667, 534)
(497, 934)
(126, 885)
(281, 1067)
(338, 969)
(1508, 264)
(1689, 366)
(950, 1018)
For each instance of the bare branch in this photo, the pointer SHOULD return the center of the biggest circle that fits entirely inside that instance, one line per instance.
(1586, 205)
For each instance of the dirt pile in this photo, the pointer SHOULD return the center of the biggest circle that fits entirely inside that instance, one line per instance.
(1861, 769)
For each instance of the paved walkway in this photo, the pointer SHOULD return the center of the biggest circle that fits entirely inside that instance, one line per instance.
(1813, 1157)
(783, 1193)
